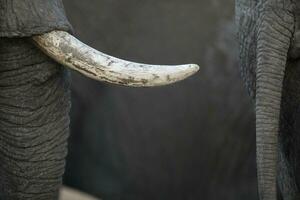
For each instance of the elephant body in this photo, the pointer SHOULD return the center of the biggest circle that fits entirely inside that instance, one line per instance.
(34, 102)
(34, 99)
(269, 55)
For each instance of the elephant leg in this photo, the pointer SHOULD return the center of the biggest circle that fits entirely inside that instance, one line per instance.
(289, 137)
(34, 122)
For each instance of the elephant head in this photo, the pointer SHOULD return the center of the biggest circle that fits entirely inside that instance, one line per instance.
(269, 58)
(34, 94)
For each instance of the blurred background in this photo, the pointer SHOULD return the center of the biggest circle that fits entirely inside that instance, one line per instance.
(192, 140)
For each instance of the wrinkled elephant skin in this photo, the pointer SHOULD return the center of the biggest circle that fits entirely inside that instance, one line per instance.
(34, 102)
(270, 67)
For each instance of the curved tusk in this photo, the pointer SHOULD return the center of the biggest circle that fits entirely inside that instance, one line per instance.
(68, 51)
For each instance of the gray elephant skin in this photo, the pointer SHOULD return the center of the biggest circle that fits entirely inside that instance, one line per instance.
(269, 53)
(34, 102)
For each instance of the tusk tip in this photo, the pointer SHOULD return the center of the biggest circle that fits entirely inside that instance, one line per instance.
(191, 69)
(195, 68)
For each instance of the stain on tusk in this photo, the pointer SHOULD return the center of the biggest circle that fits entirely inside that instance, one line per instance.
(70, 52)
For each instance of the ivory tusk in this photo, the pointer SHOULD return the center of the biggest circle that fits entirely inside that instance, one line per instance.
(70, 52)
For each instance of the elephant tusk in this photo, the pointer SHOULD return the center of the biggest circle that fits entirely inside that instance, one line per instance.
(70, 52)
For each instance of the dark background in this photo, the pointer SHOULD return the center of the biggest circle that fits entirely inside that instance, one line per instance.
(189, 141)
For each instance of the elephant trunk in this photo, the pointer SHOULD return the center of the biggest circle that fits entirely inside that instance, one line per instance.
(273, 41)
(34, 108)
